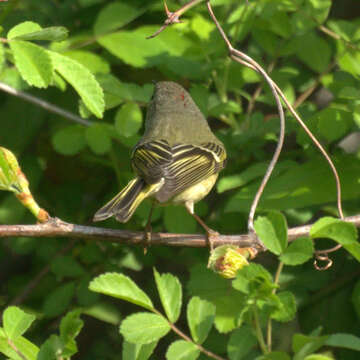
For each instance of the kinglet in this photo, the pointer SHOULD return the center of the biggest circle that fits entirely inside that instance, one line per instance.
(176, 161)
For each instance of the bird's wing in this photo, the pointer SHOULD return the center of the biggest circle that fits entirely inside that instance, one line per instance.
(190, 165)
(151, 159)
(181, 166)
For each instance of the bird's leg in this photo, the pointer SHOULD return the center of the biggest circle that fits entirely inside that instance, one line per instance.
(148, 229)
(211, 234)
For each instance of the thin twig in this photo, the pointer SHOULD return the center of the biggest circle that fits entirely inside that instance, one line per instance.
(247, 61)
(174, 17)
(13, 346)
(258, 330)
(258, 90)
(44, 104)
(335, 36)
(241, 57)
(269, 324)
(312, 88)
(188, 339)
(319, 146)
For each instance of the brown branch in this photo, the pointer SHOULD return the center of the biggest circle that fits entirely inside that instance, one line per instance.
(58, 228)
(313, 87)
(44, 104)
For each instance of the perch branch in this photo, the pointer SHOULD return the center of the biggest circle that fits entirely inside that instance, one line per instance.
(58, 228)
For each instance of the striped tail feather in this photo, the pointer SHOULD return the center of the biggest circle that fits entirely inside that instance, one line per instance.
(123, 205)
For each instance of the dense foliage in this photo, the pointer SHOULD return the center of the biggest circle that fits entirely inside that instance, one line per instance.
(91, 57)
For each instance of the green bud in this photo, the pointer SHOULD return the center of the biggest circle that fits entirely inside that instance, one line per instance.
(12, 179)
(226, 260)
(9, 170)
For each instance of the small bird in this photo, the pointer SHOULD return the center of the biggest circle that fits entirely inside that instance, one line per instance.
(177, 160)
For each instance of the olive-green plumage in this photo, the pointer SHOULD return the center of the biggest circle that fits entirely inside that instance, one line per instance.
(177, 160)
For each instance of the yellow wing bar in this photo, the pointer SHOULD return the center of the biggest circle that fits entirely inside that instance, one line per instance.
(181, 166)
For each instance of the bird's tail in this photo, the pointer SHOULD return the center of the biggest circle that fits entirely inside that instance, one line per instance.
(123, 205)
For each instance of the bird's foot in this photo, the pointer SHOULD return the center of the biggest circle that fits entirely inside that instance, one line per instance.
(147, 237)
(259, 245)
(212, 236)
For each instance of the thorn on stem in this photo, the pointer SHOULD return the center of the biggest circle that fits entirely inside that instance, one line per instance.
(171, 18)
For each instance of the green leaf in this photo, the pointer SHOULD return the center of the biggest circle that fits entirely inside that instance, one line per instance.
(287, 310)
(51, 349)
(121, 287)
(70, 327)
(23, 28)
(318, 357)
(234, 181)
(252, 172)
(95, 63)
(98, 138)
(53, 33)
(304, 345)
(318, 9)
(345, 29)
(121, 91)
(137, 351)
(349, 61)
(209, 286)
(69, 140)
(33, 63)
(333, 123)
(116, 15)
(314, 51)
(134, 49)
(302, 185)
(128, 119)
(347, 341)
(66, 266)
(298, 252)
(25, 347)
(104, 311)
(200, 317)
(332, 228)
(59, 300)
(241, 342)
(272, 231)
(275, 355)
(16, 321)
(340, 231)
(82, 80)
(202, 27)
(9, 170)
(2, 57)
(144, 328)
(170, 292)
(349, 92)
(182, 350)
(253, 278)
